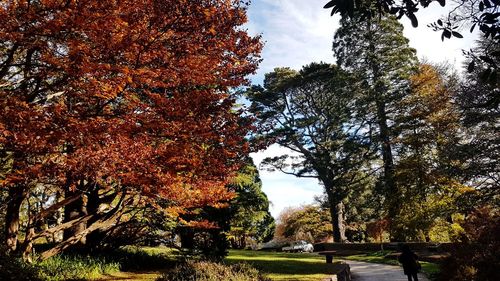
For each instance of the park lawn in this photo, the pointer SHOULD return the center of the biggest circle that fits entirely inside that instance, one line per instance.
(428, 268)
(285, 266)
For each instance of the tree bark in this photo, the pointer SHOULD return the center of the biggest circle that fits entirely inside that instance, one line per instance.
(93, 239)
(337, 215)
(387, 156)
(379, 92)
(72, 211)
(27, 246)
(106, 221)
(187, 237)
(15, 199)
(339, 223)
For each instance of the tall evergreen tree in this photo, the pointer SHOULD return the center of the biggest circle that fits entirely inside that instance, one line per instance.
(378, 55)
(479, 103)
(309, 112)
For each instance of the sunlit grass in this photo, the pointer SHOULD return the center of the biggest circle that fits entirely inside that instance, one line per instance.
(60, 268)
(286, 266)
(130, 263)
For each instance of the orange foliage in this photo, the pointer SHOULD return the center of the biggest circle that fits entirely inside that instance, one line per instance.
(377, 228)
(135, 93)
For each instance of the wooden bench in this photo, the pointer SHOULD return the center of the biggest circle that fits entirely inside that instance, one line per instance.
(328, 255)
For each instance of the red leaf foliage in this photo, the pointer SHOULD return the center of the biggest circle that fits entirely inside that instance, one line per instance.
(129, 93)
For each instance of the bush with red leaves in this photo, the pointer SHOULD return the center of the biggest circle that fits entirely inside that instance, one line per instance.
(477, 255)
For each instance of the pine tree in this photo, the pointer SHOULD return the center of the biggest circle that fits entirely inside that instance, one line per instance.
(309, 112)
(479, 101)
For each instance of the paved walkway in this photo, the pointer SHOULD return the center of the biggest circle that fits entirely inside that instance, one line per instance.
(363, 271)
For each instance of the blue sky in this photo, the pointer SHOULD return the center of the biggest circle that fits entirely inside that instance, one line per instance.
(298, 32)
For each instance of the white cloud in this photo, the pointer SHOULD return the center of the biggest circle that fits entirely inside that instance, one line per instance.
(296, 32)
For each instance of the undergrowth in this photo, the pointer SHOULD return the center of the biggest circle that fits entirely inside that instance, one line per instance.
(210, 271)
(76, 266)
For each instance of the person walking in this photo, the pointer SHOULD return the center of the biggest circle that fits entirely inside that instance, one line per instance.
(409, 260)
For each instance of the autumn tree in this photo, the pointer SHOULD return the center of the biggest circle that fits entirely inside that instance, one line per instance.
(310, 113)
(310, 222)
(378, 55)
(475, 256)
(112, 104)
(376, 229)
(426, 171)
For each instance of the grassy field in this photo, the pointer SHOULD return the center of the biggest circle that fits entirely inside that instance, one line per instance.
(147, 263)
(285, 266)
(306, 267)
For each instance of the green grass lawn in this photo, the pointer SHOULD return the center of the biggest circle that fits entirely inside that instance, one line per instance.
(308, 267)
(147, 263)
(285, 266)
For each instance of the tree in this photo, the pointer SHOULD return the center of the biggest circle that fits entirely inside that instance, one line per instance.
(478, 100)
(250, 217)
(378, 55)
(122, 117)
(475, 255)
(310, 222)
(482, 14)
(428, 130)
(310, 113)
(211, 231)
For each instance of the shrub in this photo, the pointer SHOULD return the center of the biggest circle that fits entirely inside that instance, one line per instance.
(135, 258)
(209, 271)
(74, 267)
(477, 255)
(14, 269)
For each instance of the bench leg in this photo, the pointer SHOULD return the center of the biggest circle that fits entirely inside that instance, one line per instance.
(329, 258)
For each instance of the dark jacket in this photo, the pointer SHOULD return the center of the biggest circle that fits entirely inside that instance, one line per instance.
(409, 261)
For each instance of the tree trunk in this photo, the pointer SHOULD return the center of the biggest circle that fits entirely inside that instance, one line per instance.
(379, 93)
(14, 202)
(93, 239)
(105, 222)
(337, 214)
(28, 245)
(187, 237)
(243, 241)
(58, 236)
(393, 195)
(72, 211)
(338, 223)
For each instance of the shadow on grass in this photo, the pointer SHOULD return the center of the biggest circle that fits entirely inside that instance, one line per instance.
(287, 266)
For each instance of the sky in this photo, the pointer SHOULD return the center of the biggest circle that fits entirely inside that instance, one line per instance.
(298, 32)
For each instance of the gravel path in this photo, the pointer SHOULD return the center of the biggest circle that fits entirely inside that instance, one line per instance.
(363, 271)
